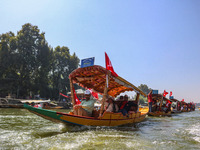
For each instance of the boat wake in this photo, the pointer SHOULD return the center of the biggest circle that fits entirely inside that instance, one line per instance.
(195, 131)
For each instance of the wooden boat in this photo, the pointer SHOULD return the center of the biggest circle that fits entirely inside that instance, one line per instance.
(176, 106)
(97, 78)
(191, 106)
(10, 103)
(45, 104)
(184, 107)
(159, 113)
(16, 105)
(158, 107)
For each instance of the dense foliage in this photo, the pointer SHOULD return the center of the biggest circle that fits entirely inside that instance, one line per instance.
(29, 66)
(146, 90)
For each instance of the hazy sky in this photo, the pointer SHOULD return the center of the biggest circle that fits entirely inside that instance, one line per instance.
(153, 42)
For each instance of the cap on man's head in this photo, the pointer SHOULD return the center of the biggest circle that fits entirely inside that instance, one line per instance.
(87, 92)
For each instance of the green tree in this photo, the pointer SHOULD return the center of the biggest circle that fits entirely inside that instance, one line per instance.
(63, 64)
(29, 65)
(33, 50)
(8, 61)
(146, 90)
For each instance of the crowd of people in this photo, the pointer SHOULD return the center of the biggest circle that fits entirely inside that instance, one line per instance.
(154, 105)
(121, 105)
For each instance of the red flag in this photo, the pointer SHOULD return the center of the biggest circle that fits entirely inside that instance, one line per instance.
(170, 93)
(182, 100)
(77, 101)
(95, 95)
(109, 65)
(64, 95)
(165, 93)
(168, 102)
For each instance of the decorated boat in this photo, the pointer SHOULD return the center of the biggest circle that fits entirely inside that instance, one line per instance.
(161, 106)
(105, 83)
(176, 106)
(184, 107)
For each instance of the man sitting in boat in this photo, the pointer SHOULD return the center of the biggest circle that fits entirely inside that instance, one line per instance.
(155, 106)
(125, 106)
(167, 107)
(150, 100)
(122, 105)
(86, 107)
(110, 106)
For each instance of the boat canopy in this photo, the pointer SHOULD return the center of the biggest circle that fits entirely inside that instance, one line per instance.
(175, 100)
(159, 97)
(35, 101)
(94, 77)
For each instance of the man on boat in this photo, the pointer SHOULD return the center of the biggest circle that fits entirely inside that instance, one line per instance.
(110, 106)
(150, 101)
(123, 106)
(86, 107)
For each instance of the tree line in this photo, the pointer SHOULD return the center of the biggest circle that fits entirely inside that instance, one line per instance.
(30, 66)
(146, 90)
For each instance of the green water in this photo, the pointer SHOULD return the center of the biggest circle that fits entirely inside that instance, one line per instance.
(20, 129)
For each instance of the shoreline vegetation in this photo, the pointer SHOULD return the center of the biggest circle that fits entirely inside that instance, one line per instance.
(30, 66)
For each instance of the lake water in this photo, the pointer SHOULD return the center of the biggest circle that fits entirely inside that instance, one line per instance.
(20, 129)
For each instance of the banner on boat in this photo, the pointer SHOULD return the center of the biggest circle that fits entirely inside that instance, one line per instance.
(87, 62)
(154, 91)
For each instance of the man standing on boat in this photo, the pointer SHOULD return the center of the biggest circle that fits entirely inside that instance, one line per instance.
(150, 101)
(86, 107)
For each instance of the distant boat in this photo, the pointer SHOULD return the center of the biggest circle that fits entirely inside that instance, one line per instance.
(176, 106)
(96, 78)
(184, 107)
(45, 104)
(159, 107)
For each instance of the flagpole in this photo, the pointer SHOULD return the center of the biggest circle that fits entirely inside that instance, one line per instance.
(72, 91)
(105, 93)
(161, 102)
(138, 100)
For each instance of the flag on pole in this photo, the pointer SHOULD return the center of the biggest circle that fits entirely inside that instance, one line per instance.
(182, 100)
(107, 81)
(77, 101)
(167, 103)
(170, 93)
(109, 66)
(165, 93)
(64, 95)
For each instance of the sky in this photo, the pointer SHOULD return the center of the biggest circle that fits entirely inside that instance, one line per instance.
(150, 42)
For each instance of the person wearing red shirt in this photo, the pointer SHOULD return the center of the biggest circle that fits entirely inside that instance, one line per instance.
(150, 101)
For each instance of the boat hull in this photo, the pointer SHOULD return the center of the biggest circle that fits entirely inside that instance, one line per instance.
(176, 111)
(108, 119)
(159, 113)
